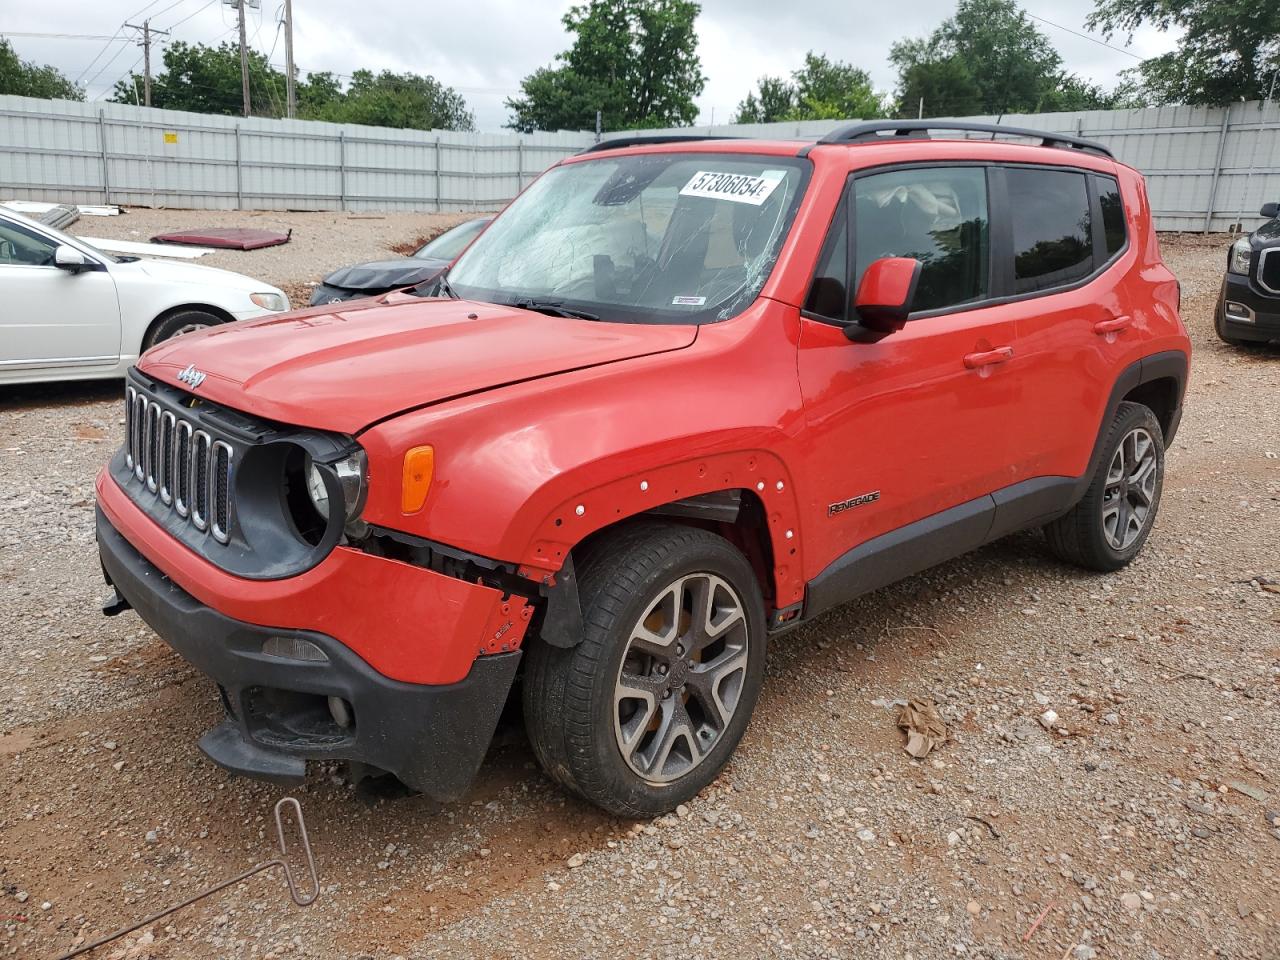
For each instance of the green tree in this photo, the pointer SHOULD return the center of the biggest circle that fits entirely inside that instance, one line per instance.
(832, 90)
(822, 89)
(987, 58)
(316, 92)
(774, 100)
(1229, 49)
(206, 79)
(404, 100)
(24, 78)
(636, 61)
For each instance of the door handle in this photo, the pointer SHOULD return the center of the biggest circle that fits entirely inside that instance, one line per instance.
(987, 358)
(1114, 325)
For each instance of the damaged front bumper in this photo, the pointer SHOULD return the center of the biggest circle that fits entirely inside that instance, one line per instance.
(302, 692)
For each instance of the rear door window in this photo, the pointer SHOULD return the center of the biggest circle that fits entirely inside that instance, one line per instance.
(1052, 228)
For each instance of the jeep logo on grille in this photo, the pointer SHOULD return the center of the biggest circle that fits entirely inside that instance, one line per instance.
(191, 376)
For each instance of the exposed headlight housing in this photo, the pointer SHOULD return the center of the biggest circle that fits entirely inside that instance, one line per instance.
(270, 301)
(1240, 257)
(349, 474)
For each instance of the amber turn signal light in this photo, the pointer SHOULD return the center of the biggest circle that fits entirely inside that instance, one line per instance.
(419, 464)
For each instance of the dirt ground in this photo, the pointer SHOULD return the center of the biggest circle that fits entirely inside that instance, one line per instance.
(1137, 828)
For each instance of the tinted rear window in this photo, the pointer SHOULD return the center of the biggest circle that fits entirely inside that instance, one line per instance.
(1052, 228)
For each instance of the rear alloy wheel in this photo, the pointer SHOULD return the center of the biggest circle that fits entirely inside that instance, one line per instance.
(1107, 528)
(648, 707)
(1128, 496)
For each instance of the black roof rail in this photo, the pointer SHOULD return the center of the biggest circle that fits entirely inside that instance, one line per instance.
(873, 130)
(618, 143)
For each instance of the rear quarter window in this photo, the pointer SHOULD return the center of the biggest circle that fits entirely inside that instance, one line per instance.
(1112, 207)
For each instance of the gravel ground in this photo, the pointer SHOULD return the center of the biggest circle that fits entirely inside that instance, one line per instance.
(321, 242)
(1135, 828)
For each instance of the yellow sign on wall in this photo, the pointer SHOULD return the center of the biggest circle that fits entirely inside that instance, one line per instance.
(170, 136)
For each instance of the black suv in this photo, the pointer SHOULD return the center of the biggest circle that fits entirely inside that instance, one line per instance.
(1249, 305)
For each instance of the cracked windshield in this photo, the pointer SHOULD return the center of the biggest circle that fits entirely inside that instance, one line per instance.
(684, 238)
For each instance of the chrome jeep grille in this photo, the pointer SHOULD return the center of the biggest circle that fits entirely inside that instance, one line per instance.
(181, 465)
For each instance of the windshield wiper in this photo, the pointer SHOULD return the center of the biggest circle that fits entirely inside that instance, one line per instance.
(445, 288)
(435, 287)
(554, 308)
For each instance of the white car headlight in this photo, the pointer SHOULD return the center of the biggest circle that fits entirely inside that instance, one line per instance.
(1241, 256)
(270, 301)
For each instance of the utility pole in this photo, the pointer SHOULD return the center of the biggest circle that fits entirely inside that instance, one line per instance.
(290, 95)
(244, 58)
(145, 44)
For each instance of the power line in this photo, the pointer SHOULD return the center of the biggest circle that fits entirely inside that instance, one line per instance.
(161, 13)
(60, 36)
(196, 14)
(114, 37)
(1085, 36)
(98, 57)
(111, 89)
(102, 69)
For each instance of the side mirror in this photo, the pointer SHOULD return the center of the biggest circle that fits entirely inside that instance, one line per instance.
(69, 258)
(885, 295)
(1270, 211)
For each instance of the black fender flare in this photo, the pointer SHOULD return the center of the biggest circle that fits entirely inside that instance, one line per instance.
(1166, 364)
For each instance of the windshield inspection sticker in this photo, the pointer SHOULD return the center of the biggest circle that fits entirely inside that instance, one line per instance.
(738, 187)
(688, 301)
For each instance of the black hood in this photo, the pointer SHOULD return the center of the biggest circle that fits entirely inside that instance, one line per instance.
(1268, 234)
(386, 274)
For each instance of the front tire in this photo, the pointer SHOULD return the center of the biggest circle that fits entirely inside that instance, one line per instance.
(646, 710)
(176, 324)
(1110, 524)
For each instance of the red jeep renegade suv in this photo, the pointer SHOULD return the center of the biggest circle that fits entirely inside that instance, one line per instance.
(683, 394)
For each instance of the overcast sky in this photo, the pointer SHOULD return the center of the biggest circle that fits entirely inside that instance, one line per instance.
(483, 48)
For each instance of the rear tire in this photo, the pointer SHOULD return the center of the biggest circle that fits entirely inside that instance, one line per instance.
(646, 710)
(1110, 524)
(176, 324)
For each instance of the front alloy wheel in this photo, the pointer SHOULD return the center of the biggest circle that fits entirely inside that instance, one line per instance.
(681, 677)
(648, 707)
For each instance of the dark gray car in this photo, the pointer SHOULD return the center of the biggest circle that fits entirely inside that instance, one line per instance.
(379, 276)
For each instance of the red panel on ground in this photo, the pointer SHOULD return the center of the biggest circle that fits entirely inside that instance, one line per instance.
(232, 238)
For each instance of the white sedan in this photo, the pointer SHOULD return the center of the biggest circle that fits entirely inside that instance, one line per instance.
(71, 312)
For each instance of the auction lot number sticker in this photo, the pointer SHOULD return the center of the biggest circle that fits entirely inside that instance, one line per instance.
(738, 187)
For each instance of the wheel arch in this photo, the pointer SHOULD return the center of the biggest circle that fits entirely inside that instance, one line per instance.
(1157, 381)
(222, 315)
(747, 498)
(1162, 397)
